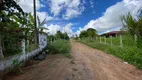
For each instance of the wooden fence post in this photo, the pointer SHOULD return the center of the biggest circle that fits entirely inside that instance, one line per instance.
(105, 39)
(111, 40)
(121, 43)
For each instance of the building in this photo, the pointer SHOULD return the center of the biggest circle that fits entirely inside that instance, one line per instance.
(113, 33)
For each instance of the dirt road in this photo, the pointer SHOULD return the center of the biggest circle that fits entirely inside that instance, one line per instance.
(86, 64)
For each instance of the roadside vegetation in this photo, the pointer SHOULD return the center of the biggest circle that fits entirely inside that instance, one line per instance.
(59, 44)
(60, 47)
(17, 26)
(131, 54)
(131, 51)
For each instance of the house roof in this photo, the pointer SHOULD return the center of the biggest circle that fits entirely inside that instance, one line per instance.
(113, 32)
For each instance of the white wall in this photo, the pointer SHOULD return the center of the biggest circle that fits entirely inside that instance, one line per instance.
(42, 41)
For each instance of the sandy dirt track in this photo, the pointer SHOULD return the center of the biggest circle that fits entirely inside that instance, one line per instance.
(87, 64)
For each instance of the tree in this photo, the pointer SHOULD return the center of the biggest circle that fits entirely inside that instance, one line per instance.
(134, 26)
(7, 12)
(59, 35)
(91, 33)
(65, 36)
(83, 34)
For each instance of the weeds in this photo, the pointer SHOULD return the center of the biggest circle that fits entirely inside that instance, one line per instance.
(60, 46)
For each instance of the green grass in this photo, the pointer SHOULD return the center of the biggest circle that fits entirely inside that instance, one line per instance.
(60, 47)
(128, 41)
(129, 52)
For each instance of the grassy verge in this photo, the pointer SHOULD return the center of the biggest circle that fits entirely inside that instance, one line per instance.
(132, 55)
(61, 47)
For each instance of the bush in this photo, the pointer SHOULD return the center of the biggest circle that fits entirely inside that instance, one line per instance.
(60, 46)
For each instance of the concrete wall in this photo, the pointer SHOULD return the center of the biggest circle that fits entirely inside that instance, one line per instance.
(7, 63)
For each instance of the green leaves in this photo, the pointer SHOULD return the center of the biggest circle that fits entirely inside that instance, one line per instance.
(134, 26)
(89, 33)
(41, 23)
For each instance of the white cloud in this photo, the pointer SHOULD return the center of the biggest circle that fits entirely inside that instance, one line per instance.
(54, 28)
(27, 5)
(68, 29)
(111, 17)
(72, 8)
(43, 15)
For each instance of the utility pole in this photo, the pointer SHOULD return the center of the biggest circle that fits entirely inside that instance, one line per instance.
(35, 24)
(1, 3)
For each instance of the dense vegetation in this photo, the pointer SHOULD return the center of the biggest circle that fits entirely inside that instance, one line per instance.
(133, 26)
(58, 36)
(91, 33)
(60, 47)
(16, 26)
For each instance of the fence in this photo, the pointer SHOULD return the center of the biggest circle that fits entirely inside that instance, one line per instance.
(121, 40)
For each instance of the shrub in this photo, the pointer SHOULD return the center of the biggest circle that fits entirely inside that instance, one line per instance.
(60, 46)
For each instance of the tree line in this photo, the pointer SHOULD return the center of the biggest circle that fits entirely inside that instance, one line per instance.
(58, 36)
(90, 33)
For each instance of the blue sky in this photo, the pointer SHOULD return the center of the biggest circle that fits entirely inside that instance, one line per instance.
(99, 7)
(74, 16)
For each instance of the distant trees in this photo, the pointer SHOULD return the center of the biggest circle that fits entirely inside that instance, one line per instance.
(91, 33)
(83, 34)
(58, 35)
(133, 26)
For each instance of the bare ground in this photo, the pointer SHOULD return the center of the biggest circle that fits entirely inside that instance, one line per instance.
(86, 64)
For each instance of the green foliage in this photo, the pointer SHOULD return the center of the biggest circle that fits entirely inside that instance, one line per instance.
(129, 53)
(65, 36)
(134, 26)
(40, 24)
(68, 55)
(91, 33)
(60, 46)
(17, 64)
(15, 26)
(58, 35)
(83, 34)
